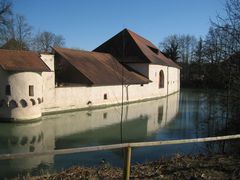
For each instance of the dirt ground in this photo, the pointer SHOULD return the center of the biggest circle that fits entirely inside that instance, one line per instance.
(178, 167)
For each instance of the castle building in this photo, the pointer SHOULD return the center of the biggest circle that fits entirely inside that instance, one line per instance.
(126, 68)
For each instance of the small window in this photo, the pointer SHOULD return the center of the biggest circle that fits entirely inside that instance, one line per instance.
(141, 84)
(161, 79)
(104, 115)
(23, 103)
(13, 104)
(31, 90)
(8, 90)
(33, 101)
(89, 103)
(105, 96)
(39, 100)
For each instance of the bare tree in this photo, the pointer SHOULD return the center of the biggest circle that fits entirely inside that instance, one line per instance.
(22, 31)
(5, 13)
(170, 47)
(199, 52)
(187, 45)
(17, 34)
(180, 48)
(228, 27)
(230, 24)
(45, 40)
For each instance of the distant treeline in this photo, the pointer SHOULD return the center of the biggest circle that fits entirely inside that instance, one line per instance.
(211, 61)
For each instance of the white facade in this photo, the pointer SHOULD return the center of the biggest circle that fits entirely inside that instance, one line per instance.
(21, 104)
(69, 98)
(16, 100)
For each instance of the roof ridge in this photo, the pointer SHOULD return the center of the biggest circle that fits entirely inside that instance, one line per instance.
(79, 50)
(22, 51)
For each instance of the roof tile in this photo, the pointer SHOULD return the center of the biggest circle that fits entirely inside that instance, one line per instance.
(100, 68)
(11, 60)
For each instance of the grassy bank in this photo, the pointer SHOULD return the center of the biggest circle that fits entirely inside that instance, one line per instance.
(177, 167)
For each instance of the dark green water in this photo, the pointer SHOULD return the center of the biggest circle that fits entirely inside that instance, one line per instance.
(179, 116)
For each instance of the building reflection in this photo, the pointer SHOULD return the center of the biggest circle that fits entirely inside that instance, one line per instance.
(83, 128)
(22, 138)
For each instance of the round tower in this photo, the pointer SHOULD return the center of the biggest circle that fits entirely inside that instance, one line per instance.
(21, 96)
(21, 88)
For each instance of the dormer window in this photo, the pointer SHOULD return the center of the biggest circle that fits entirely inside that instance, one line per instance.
(153, 50)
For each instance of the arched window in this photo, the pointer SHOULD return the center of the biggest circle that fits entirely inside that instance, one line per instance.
(161, 79)
(23, 103)
(39, 100)
(33, 101)
(13, 104)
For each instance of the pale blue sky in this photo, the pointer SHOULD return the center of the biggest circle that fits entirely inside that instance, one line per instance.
(88, 23)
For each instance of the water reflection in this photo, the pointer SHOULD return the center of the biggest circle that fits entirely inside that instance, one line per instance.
(102, 126)
(21, 138)
(84, 128)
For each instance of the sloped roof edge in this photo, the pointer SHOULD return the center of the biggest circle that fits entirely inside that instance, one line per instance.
(143, 52)
(100, 68)
(15, 60)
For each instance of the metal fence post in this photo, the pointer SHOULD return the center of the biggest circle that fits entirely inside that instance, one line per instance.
(127, 163)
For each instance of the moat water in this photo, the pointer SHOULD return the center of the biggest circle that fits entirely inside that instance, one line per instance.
(179, 116)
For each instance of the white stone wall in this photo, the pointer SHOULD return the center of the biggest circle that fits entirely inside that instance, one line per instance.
(19, 105)
(48, 98)
(173, 80)
(67, 98)
(49, 82)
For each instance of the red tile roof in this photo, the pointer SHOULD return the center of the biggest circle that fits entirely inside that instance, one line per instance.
(11, 60)
(100, 68)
